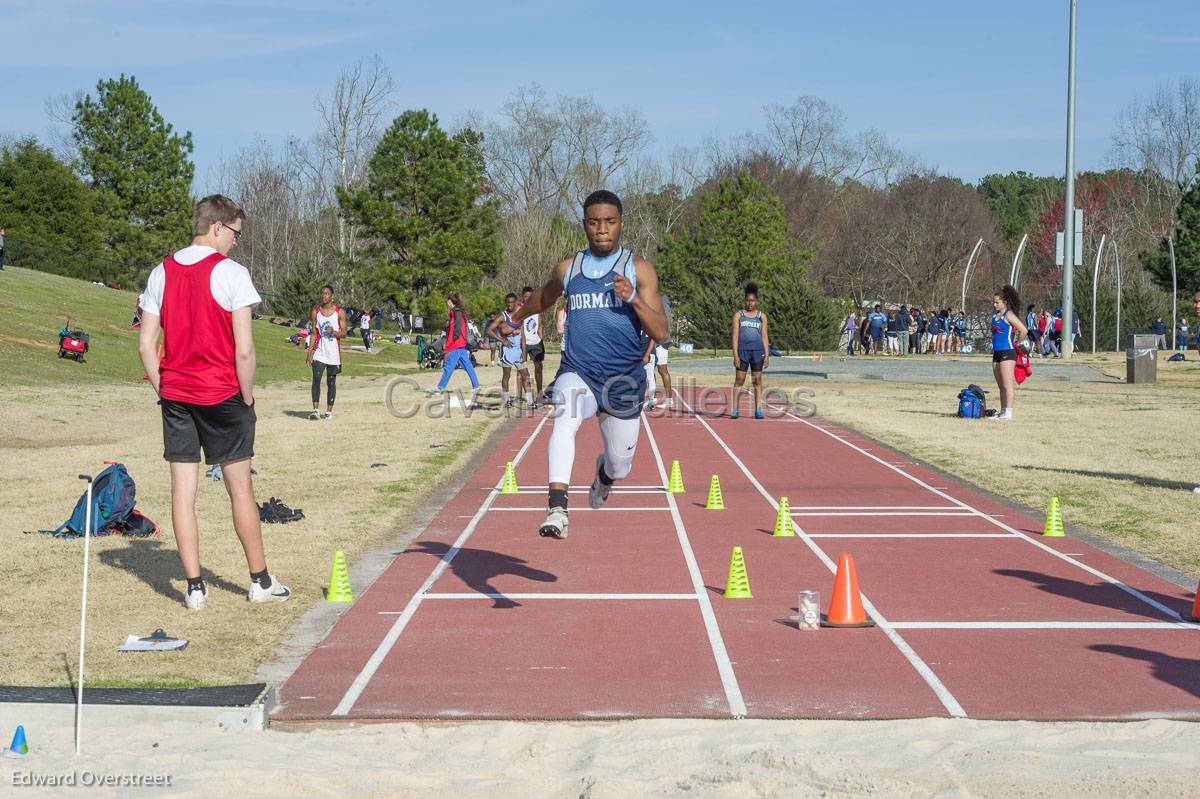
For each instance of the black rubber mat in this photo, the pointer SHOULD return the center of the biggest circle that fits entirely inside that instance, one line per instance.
(216, 696)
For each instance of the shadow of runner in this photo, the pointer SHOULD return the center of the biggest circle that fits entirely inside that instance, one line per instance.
(1183, 673)
(1136, 479)
(156, 564)
(1102, 594)
(478, 567)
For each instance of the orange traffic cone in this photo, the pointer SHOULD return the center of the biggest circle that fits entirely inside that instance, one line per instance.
(1195, 608)
(846, 607)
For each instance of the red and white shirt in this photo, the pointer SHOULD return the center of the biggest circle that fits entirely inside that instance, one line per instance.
(194, 293)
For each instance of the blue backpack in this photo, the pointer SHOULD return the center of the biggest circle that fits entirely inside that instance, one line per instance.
(971, 403)
(113, 495)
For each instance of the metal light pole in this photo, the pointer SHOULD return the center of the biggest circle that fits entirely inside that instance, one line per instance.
(1068, 321)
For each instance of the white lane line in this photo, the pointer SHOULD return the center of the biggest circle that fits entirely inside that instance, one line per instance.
(376, 660)
(1012, 530)
(1045, 625)
(542, 509)
(884, 513)
(935, 684)
(913, 535)
(733, 693)
(619, 489)
(874, 507)
(497, 595)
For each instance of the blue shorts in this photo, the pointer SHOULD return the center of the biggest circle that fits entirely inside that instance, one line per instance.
(750, 360)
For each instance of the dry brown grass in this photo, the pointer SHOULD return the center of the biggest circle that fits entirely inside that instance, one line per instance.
(136, 585)
(1119, 457)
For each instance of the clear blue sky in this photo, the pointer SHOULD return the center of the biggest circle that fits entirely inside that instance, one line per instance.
(969, 86)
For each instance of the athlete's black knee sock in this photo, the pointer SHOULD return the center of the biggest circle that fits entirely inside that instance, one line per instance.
(558, 498)
(262, 578)
(604, 478)
(331, 393)
(195, 584)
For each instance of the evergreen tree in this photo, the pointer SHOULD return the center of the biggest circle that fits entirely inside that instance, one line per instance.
(1187, 245)
(422, 206)
(141, 172)
(741, 237)
(50, 210)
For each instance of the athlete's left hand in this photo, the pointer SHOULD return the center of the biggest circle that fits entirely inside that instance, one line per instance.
(766, 362)
(622, 287)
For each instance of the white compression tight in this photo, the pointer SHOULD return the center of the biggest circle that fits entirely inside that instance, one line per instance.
(574, 402)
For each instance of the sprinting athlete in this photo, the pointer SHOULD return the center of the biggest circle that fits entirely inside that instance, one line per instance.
(612, 297)
(534, 346)
(325, 351)
(512, 352)
(751, 345)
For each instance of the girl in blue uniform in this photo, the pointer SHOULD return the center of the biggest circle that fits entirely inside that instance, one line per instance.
(612, 299)
(751, 344)
(1007, 331)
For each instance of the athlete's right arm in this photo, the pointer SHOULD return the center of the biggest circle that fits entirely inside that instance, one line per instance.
(545, 297)
(314, 337)
(493, 329)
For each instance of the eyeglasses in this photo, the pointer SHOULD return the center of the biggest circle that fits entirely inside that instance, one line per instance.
(237, 234)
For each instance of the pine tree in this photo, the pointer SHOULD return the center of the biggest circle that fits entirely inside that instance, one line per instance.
(1187, 245)
(141, 171)
(422, 207)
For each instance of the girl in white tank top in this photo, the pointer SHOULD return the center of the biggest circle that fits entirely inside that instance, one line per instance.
(325, 352)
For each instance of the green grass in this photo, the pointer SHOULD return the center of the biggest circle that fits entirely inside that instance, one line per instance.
(35, 306)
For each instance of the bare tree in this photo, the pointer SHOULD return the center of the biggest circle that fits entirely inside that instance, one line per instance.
(61, 112)
(1162, 136)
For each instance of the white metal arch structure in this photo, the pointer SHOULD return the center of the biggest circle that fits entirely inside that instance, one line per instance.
(1014, 275)
(1095, 283)
(967, 273)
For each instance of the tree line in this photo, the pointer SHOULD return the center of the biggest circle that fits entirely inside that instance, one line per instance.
(397, 208)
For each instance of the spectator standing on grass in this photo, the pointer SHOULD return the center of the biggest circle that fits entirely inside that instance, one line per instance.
(1185, 334)
(1159, 329)
(1007, 330)
(201, 301)
(878, 322)
(1031, 324)
(1, 249)
(1049, 339)
(851, 328)
(364, 327)
(903, 322)
(934, 331)
(456, 352)
(327, 328)
(864, 335)
(918, 341)
(960, 331)
(893, 328)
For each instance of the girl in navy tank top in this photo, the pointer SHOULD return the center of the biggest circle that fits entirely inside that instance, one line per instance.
(751, 345)
(1007, 331)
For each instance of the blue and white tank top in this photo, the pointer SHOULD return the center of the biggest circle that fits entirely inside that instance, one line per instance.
(750, 332)
(605, 346)
(329, 347)
(510, 350)
(1002, 332)
(531, 330)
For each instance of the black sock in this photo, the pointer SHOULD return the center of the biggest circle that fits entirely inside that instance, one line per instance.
(195, 584)
(558, 498)
(604, 478)
(262, 578)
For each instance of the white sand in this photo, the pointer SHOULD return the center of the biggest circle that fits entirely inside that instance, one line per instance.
(932, 757)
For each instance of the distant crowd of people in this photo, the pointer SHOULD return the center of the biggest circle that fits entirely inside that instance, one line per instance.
(912, 331)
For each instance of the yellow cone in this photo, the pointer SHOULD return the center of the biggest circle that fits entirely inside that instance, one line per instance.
(339, 581)
(715, 500)
(1054, 522)
(738, 584)
(509, 486)
(783, 520)
(675, 483)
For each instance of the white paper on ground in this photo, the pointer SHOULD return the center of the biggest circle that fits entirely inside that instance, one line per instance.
(135, 644)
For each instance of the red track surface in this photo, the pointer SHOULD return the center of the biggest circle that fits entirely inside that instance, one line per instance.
(978, 614)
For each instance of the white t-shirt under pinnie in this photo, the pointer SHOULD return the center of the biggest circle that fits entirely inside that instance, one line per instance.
(230, 282)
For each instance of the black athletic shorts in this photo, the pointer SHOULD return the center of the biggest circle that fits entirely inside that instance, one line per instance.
(536, 352)
(224, 430)
(1004, 355)
(750, 361)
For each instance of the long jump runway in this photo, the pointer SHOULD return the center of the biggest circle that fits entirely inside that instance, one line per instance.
(977, 614)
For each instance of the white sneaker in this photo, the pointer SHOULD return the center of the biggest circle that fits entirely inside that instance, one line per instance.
(598, 493)
(327, 417)
(555, 525)
(196, 599)
(315, 414)
(278, 592)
